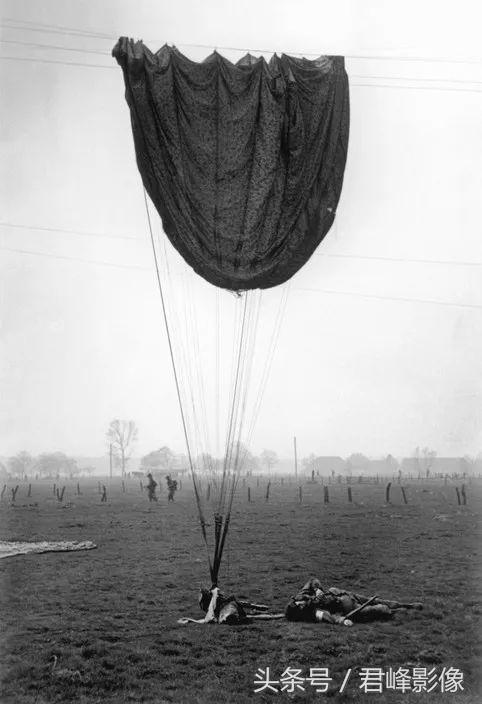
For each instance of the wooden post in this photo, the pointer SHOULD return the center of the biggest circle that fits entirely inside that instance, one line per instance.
(350, 499)
(326, 496)
(180, 484)
(464, 495)
(387, 493)
(208, 493)
(458, 495)
(61, 495)
(296, 457)
(54, 491)
(267, 491)
(14, 493)
(300, 490)
(103, 498)
(3, 491)
(404, 495)
(123, 487)
(257, 481)
(249, 494)
(29, 492)
(57, 494)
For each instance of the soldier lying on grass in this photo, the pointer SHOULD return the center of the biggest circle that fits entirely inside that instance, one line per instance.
(227, 609)
(314, 604)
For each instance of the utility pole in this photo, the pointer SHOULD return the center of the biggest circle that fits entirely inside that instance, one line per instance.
(110, 460)
(296, 457)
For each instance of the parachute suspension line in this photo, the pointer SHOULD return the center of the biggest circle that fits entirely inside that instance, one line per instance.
(268, 362)
(216, 409)
(233, 403)
(171, 352)
(218, 518)
(233, 465)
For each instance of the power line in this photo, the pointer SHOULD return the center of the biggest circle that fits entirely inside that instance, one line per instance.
(391, 298)
(71, 232)
(400, 259)
(403, 260)
(472, 306)
(62, 29)
(53, 61)
(363, 85)
(75, 259)
(55, 47)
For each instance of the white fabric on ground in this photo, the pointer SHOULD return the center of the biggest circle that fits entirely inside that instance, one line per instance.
(11, 548)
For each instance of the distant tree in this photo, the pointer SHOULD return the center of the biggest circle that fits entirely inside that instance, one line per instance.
(122, 434)
(50, 464)
(207, 462)
(162, 459)
(269, 459)
(19, 464)
(245, 459)
(310, 462)
(86, 470)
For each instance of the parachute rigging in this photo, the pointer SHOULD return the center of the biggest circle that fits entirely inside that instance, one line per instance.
(244, 164)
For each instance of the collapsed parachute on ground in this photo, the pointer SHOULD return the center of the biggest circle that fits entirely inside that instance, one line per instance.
(244, 162)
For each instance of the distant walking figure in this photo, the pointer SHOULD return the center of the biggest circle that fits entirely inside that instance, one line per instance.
(151, 488)
(171, 487)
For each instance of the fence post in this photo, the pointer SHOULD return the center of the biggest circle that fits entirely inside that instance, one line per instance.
(403, 494)
(103, 498)
(326, 496)
(464, 495)
(300, 491)
(267, 491)
(208, 493)
(249, 494)
(29, 490)
(123, 487)
(387, 493)
(349, 495)
(458, 495)
(54, 490)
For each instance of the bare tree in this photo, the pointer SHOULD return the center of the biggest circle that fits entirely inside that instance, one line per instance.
(19, 464)
(53, 464)
(269, 458)
(122, 434)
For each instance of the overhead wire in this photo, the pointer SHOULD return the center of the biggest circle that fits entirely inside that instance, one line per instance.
(29, 25)
(417, 79)
(341, 255)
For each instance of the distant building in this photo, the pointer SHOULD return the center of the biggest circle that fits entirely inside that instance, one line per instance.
(326, 465)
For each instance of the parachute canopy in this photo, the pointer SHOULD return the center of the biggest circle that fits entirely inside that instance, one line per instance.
(244, 162)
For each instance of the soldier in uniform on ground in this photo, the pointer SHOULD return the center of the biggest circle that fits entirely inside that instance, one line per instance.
(171, 487)
(151, 488)
(314, 604)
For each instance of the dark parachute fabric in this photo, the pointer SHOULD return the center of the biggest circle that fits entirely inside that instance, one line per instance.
(244, 162)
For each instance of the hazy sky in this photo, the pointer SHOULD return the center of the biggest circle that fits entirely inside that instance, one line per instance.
(83, 343)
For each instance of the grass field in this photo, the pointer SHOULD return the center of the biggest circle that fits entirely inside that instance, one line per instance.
(110, 615)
